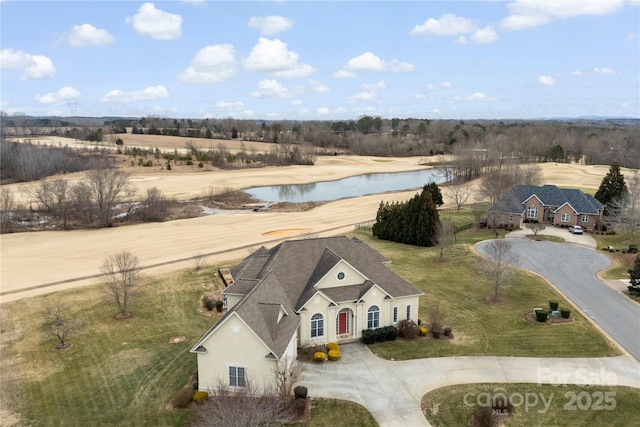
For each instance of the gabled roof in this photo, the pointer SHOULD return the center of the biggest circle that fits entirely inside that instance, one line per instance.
(284, 278)
(549, 195)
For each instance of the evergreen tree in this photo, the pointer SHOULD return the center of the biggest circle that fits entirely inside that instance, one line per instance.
(612, 188)
(414, 222)
(436, 194)
(635, 272)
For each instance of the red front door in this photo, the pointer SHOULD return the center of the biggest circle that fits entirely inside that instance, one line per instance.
(342, 323)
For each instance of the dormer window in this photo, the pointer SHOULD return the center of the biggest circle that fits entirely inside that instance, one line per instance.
(340, 276)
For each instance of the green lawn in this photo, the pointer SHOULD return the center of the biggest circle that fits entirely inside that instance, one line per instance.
(565, 405)
(337, 413)
(118, 372)
(481, 327)
(124, 372)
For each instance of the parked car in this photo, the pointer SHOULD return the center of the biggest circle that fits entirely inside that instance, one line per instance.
(575, 229)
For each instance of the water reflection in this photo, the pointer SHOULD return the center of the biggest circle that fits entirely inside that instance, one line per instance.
(354, 186)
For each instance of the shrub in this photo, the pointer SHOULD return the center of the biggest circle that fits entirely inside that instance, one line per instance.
(200, 396)
(633, 249)
(553, 305)
(541, 315)
(423, 331)
(381, 334)
(333, 346)
(565, 313)
(219, 305)
(182, 398)
(436, 317)
(408, 329)
(208, 303)
(369, 336)
(392, 333)
(334, 355)
(319, 356)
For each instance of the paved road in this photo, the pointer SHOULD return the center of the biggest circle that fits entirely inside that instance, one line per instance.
(573, 270)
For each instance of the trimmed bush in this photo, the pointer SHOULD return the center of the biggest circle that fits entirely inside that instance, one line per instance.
(333, 346)
(369, 336)
(381, 334)
(423, 331)
(319, 356)
(553, 305)
(565, 313)
(392, 333)
(219, 305)
(541, 315)
(334, 355)
(200, 396)
(300, 392)
(208, 303)
(447, 332)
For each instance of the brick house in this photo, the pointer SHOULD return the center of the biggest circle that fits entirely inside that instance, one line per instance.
(546, 204)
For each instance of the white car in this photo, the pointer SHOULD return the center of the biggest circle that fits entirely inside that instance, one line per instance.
(575, 229)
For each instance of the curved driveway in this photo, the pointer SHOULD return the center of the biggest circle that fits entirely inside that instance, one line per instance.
(573, 271)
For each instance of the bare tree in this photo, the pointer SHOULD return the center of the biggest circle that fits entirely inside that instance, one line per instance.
(502, 260)
(535, 227)
(460, 193)
(625, 211)
(7, 205)
(106, 187)
(122, 280)
(243, 406)
(479, 212)
(199, 261)
(446, 234)
(58, 325)
(287, 373)
(498, 183)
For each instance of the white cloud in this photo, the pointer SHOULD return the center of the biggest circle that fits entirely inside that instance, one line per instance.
(229, 105)
(34, 66)
(268, 88)
(380, 85)
(87, 34)
(322, 111)
(604, 71)
(484, 35)
(151, 92)
(445, 85)
(273, 57)
(365, 95)
(370, 62)
(546, 81)
(532, 13)
(452, 25)
(194, 2)
(447, 25)
(156, 23)
(296, 102)
(317, 86)
(62, 95)
(212, 64)
(270, 24)
(478, 96)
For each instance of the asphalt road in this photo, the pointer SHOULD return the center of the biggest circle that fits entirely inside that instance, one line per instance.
(573, 270)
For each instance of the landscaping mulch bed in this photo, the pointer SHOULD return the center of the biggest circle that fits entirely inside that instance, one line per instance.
(530, 317)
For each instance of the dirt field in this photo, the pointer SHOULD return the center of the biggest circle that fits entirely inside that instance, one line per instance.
(39, 262)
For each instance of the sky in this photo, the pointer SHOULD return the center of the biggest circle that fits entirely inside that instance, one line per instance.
(321, 60)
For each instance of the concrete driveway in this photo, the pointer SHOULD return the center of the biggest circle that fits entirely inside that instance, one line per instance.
(577, 239)
(393, 391)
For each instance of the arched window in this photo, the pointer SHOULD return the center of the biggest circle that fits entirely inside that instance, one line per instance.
(532, 212)
(373, 317)
(317, 325)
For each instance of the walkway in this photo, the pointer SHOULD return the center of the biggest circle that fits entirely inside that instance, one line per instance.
(392, 391)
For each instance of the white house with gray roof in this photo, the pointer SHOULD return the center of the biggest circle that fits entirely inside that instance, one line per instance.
(299, 293)
(546, 204)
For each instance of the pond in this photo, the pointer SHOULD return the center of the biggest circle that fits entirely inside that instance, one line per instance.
(354, 186)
